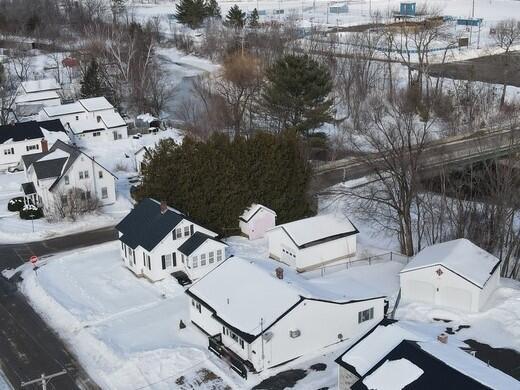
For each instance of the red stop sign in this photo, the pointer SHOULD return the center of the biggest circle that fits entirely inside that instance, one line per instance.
(33, 259)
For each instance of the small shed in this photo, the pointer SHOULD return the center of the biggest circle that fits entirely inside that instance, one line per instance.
(256, 220)
(456, 274)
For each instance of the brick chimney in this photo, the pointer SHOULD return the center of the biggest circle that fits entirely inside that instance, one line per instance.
(45, 145)
(164, 207)
(279, 273)
(443, 338)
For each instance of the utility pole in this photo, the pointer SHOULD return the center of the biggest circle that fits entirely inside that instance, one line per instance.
(43, 380)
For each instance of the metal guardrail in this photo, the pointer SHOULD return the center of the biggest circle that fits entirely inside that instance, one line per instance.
(370, 260)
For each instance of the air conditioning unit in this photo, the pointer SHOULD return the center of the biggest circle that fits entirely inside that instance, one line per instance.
(295, 333)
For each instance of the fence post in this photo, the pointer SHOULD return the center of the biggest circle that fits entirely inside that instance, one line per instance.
(391, 253)
(369, 260)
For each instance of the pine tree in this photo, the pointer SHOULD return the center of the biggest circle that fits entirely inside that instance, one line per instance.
(213, 9)
(235, 18)
(92, 84)
(191, 12)
(296, 95)
(253, 19)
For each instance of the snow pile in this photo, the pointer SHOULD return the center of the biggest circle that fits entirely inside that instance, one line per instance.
(393, 375)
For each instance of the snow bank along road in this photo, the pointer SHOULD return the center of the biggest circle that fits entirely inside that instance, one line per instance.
(28, 347)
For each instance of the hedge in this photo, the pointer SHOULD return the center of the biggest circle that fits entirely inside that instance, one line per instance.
(15, 204)
(31, 212)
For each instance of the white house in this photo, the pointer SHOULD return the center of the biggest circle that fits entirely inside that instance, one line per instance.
(157, 241)
(140, 155)
(456, 274)
(258, 315)
(23, 138)
(34, 94)
(256, 221)
(53, 177)
(312, 242)
(93, 118)
(415, 356)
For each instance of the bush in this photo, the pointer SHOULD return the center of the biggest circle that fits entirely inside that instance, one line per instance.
(31, 212)
(15, 204)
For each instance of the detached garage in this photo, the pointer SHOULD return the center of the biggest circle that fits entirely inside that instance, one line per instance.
(456, 274)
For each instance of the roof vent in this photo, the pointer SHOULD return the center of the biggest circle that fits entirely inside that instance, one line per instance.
(443, 338)
(293, 333)
(164, 207)
(279, 273)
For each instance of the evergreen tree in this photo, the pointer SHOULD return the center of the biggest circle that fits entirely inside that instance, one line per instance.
(235, 17)
(191, 12)
(253, 19)
(92, 84)
(213, 9)
(296, 95)
(214, 181)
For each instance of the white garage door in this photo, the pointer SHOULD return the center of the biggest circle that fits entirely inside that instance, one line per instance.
(454, 297)
(420, 291)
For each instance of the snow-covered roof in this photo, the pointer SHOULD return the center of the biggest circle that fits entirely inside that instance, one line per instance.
(58, 153)
(33, 86)
(315, 230)
(96, 104)
(460, 256)
(417, 342)
(85, 125)
(393, 375)
(252, 210)
(112, 119)
(64, 109)
(37, 97)
(242, 292)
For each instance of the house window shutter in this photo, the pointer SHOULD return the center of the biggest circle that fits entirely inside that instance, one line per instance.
(163, 259)
(191, 229)
(174, 259)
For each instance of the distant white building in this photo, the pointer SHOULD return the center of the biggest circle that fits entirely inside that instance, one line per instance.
(157, 241)
(34, 94)
(256, 221)
(93, 118)
(56, 177)
(140, 155)
(415, 356)
(456, 274)
(258, 317)
(23, 138)
(310, 243)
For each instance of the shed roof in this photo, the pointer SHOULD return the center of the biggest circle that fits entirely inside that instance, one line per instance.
(316, 230)
(252, 210)
(460, 256)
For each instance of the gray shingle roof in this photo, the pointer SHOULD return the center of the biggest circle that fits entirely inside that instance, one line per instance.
(145, 226)
(49, 168)
(196, 240)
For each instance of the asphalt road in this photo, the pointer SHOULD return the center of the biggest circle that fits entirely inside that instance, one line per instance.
(28, 347)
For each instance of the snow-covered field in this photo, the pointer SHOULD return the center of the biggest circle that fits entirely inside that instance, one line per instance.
(125, 330)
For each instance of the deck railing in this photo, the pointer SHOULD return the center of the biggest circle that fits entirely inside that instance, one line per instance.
(376, 259)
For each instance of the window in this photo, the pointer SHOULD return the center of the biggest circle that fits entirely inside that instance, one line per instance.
(144, 259)
(149, 263)
(64, 200)
(196, 305)
(32, 147)
(186, 231)
(86, 174)
(133, 255)
(96, 134)
(195, 261)
(104, 192)
(88, 195)
(66, 178)
(9, 151)
(101, 174)
(81, 175)
(179, 232)
(202, 259)
(166, 261)
(125, 252)
(219, 255)
(242, 343)
(182, 258)
(365, 315)
(211, 257)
